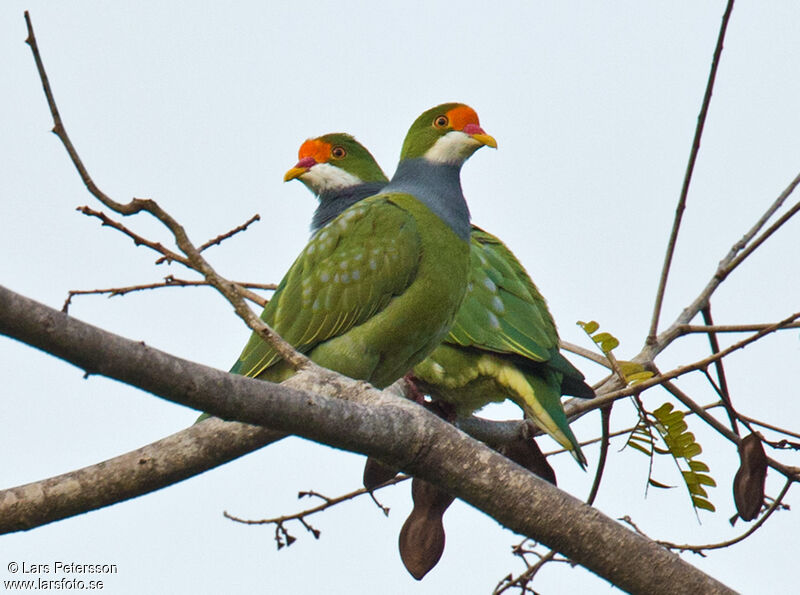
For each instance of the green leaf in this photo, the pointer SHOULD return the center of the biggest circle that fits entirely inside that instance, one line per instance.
(637, 377)
(706, 480)
(663, 410)
(606, 341)
(640, 448)
(590, 327)
(692, 450)
(704, 504)
(698, 466)
(609, 344)
(630, 368)
(669, 419)
(677, 428)
(697, 490)
(684, 440)
(657, 484)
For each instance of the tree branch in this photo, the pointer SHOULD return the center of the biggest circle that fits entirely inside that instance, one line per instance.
(698, 133)
(165, 462)
(361, 419)
(170, 281)
(699, 549)
(576, 407)
(193, 258)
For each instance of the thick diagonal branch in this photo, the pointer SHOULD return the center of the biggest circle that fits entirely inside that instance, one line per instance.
(361, 419)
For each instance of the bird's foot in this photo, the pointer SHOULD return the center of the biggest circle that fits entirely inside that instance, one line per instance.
(413, 391)
(443, 409)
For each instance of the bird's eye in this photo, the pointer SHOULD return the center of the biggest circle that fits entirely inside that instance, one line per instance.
(441, 121)
(338, 152)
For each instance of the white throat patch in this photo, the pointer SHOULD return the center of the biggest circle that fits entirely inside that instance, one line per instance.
(453, 148)
(324, 176)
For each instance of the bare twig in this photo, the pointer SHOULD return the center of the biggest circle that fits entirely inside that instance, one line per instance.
(769, 426)
(685, 329)
(171, 281)
(723, 272)
(583, 352)
(326, 504)
(231, 292)
(618, 433)
(700, 549)
(167, 254)
(523, 580)
(701, 120)
(720, 369)
(525, 577)
(605, 421)
(725, 267)
(222, 237)
(599, 401)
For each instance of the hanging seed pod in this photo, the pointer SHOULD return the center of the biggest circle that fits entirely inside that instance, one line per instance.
(376, 473)
(748, 484)
(421, 541)
(525, 452)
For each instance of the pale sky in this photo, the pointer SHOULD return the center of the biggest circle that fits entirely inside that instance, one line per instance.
(202, 106)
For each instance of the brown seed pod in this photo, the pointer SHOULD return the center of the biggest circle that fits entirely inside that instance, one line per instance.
(748, 484)
(525, 452)
(421, 541)
(376, 473)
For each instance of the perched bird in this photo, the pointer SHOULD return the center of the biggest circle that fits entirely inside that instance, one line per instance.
(377, 288)
(503, 343)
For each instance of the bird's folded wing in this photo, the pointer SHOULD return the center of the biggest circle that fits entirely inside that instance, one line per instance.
(349, 271)
(499, 313)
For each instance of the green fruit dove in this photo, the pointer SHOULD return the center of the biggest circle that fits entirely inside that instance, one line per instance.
(503, 343)
(377, 288)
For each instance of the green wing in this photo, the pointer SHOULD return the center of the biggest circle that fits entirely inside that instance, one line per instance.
(504, 312)
(499, 312)
(348, 272)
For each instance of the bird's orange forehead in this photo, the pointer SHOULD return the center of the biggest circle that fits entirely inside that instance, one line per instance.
(461, 116)
(315, 148)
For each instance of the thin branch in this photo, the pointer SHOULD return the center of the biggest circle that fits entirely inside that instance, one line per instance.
(787, 471)
(522, 581)
(167, 254)
(527, 576)
(699, 549)
(686, 329)
(725, 267)
(605, 421)
(725, 271)
(701, 120)
(163, 463)
(769, 426)
(222, 237)
(170, 281)
(326, 504)
(720, 369)
(584, 406)
(583, 352)
(619, 433)
(297, 360)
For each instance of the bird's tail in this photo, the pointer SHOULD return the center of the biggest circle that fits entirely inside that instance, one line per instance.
(540, 398)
